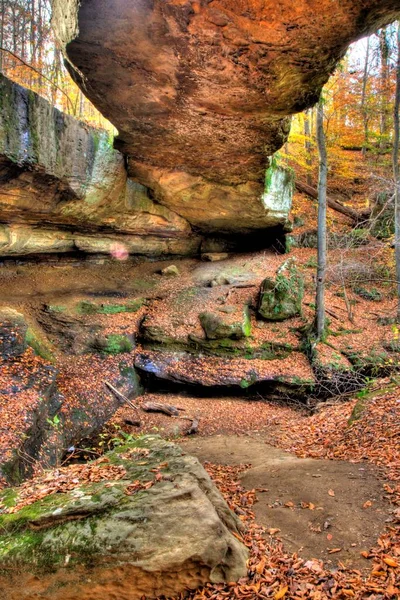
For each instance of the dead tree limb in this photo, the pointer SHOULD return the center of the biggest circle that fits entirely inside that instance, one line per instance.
(166, 409)
(120, 396)
(193, 427)
(352, 214)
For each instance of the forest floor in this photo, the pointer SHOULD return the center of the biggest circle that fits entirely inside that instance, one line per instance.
(319, 497)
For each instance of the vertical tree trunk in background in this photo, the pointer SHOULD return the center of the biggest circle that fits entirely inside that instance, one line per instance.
(364, 110)
(57, 69)
(33, 33)
(3, 10)
(39, 37)
(14, 29)
(384, 52)
(33, 39)
(308, 146)
(322, 185)
(396, 172)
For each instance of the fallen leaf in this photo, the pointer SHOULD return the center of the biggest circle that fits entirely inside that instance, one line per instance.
(334, 550)
(261, 565)
(281, 593)
(390, 561)
(331, 492)
(367, 504)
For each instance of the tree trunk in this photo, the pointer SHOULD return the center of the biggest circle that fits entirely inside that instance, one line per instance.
(384, 52)
(308, 147)
(3, 15)
(396, 172)
(364, 110)
(322, 202)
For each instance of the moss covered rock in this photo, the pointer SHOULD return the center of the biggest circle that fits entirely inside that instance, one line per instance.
(225, 324)
(158, 527)
(281, 297)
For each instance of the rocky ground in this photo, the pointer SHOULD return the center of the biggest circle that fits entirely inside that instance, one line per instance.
(234, 352)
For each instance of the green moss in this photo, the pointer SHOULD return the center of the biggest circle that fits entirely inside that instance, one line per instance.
(358, 410)
(37, 539)
(373, 294)
(40, 346)
(89, 308)
(281, 298)
(117, 344)
(8, 497)
(57, 308)
(244, 384)
(86, 308)
(247, 322)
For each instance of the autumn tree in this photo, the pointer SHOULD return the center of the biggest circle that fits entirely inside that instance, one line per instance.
(30, 56)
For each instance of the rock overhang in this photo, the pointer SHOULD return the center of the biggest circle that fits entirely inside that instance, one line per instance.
(202, 92)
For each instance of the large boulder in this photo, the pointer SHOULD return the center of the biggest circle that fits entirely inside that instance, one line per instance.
(202, 92)
(145, 520)
(281, 297)
(228, 323)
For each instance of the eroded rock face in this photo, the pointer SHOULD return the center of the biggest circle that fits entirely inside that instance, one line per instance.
(129, 536)
(64, 188)
(13, 329)
(201, 91)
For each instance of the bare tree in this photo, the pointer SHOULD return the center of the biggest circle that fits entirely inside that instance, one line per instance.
(384, 47)
(396, 172)
(364, 109)
(308, 146)
(322, 185)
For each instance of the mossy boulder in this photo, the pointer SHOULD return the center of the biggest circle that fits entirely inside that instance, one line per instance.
(225, 324)
(281, 297)
(114, 343)
(40, 345)
(153, 524)
(170, 271)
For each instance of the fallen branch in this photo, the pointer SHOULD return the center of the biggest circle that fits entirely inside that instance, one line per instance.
(352, 214)
(194, 427)
(120, 396)
(166, 409)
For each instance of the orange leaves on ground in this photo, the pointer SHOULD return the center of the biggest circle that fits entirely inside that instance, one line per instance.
(282, 593)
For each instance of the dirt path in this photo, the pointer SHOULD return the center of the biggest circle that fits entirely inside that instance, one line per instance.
(318, 505)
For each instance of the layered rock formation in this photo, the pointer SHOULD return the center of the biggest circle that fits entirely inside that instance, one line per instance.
(65, 189)
(144, 520)
(201, 91)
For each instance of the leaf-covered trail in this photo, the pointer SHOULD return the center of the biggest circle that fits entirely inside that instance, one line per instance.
(328, 510)
(370, 569)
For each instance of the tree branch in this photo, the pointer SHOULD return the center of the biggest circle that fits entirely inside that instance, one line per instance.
(41, 75)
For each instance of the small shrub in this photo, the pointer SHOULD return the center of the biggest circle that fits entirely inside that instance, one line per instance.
(373, 294)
